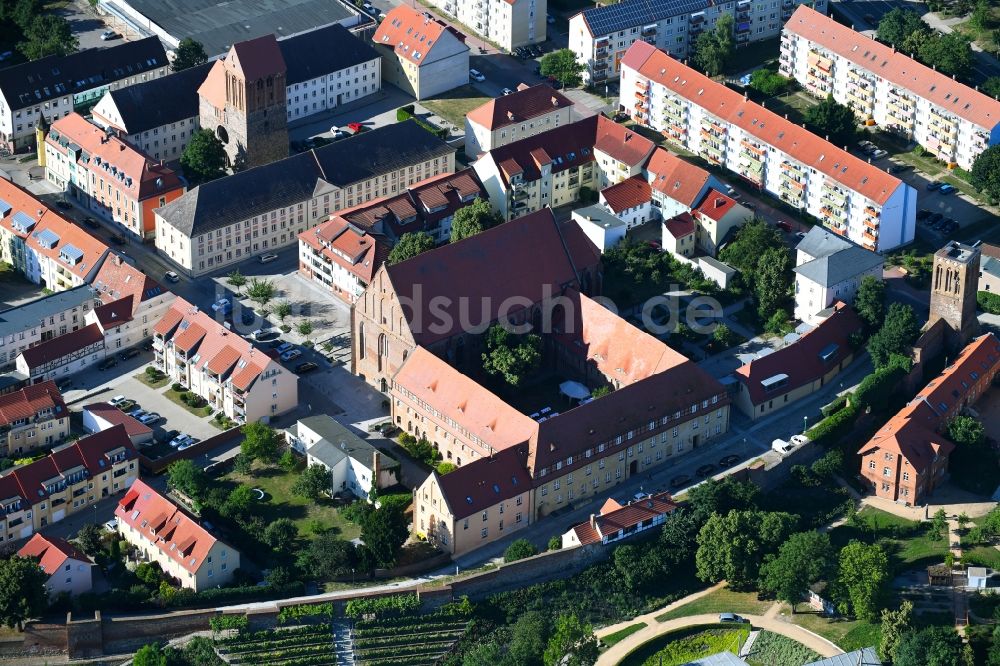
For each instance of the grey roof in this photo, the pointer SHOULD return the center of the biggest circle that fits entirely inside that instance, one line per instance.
(980, 572)
(222, 202)
(23, 317)
(318, 52)
(218, 25)
(631, 13)
(835, 268)
(161, 101)
(41, 80)
(820, 242)
(719, 265)
(340, 442)
(990, 265)
(598, 214)
(863, 657)
(12, 381)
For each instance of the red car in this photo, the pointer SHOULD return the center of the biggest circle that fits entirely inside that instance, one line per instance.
(355, 127)
(784, 226)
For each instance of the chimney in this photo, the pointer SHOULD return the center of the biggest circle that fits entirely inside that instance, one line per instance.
(827, 137)
(376, 467)
(786, 116)
(593, 521)
(719, 202)
(555, 102)
(510, 115)
(628, 135)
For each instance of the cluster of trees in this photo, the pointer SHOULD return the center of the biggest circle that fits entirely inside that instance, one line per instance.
(714, 49)
(904, 29)
(510, 356)
(899, 330)
(769, 82)
(189, 53)
(36, 32)
(196, 652)
(635, 267)
(535, 639)
(760, 255)
(985, 174)
(467, 221)
(834, 120)
(204, 158)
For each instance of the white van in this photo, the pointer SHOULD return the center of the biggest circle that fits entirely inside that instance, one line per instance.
(781, 446)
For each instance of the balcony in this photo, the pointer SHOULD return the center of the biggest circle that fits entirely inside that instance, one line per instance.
(648, 30)
(871, 238)
(871, 212)
(600, 53)
(753, 148)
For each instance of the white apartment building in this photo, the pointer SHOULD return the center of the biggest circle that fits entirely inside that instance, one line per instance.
(224, 221)
(849, 196)
(828, 269)
(508, 23)
(952, 121)
(234, 377)
(508, 118)
(600, 36)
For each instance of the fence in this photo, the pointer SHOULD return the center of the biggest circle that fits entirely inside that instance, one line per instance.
(158, 465)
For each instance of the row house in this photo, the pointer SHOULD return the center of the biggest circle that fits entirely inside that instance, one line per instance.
(62, 356)
(65, 482)
(46, 248)
(907, 459)
(530, 110)
(952, 121)
(344, 252)
(42, 319)
(108, 176)
(32, 418)
(227, 220)
(162, 533)
(848, 195)
(600, 36)
(39, 92)
(507, 23)
(129, 304)
(235, 377)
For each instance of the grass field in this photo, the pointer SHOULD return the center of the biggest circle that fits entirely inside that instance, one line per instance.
(909, 542)
(847, 634)
(720, 601)
(158, 383)
(681, 647)
(622, 634)
(770, 649)
(175, 397)
(455, 104)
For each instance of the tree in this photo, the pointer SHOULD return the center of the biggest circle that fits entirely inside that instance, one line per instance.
(281, 535)
(189, 53)
(236, 279)
(720, 496)
(304, 328)
(89, 538)
(148, 573)
(939, 525)
(830, 464)
(383, 531)
(637, 567)
(260, 441)
(733, 546)
(238, 502)
(22, 590)
(261, 292)
(572, 643)
(777, 323)
(243, 464)
(444, 468)
(897, 333)
(312, 482)
(932, 646)
(327, 557)
(772, 281)
(149, 655)
(724, 336)
(185, 476)
(282, 309)
(963, 520)
(204, 158)
(863, 570)
(805, 558)
(894, 623)
(869, 302)
(895, 26)
(966, 431)
(950, 54)
(563, 66)
(991, 87)
(410, 245)
(472, 219)
(555, 542)
(529, 636)
(288, 461)
(768, 82)
(714, 49)
(982, 16)
(985, 175)
(47, 34)
(834, 120)
(511, 356)
(748, 246)
(518, 550)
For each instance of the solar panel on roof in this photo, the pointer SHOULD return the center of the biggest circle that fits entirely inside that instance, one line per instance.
(4, 208)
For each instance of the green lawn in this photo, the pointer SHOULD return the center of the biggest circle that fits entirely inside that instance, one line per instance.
(151, 383)
(281, 503)
(770, 649)
(846, 634)
(681, 647)
(720, 601)
(984, 556)
(175, 397)
(622, 634)
(909, 542)
(455, 104)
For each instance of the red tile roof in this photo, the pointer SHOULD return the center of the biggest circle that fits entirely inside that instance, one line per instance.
(621, 143)
(412, 33)
(348, 246)
(676, 178)
(611, 519)
(63, 345)
(118, 279)
(681, 225)
(525, 104)
(257, 58)
(562, 148)
(629, 193)
(51, 552)
(22, 201)
(951, 388)
(115, 416)
(766, 126)
(164, 526)
(30, 400)
(895, 67)
(911, 433)
(803, 361)
(715, 205)
(477, 486)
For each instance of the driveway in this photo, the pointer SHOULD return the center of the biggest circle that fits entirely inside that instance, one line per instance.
(174, 416)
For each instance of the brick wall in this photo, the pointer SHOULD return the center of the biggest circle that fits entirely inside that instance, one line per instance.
(159, 465)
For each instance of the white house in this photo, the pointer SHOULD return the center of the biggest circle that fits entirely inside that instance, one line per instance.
(100, 416)
(603, 228)
(530, 110)
(70, 571)
(62, 356)
(355, 466)
(615, 521)
(829, 268)
(508, 23)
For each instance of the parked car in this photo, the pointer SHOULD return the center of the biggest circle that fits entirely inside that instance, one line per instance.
(223, 304)
(91, 222)
(934, 185)
(923, 214)
(291, 355)
(506, 91)
(264, 336)
(728, 461)
(267, 258)
(621, 117)
(129, 353)
(152, 417)
(879, 154)
(180, 439)
(947, 189)
(117, 400)
(705, 470)
(137, 413)
(783, 225)
(108, 35)
(187, 445)
(368, 7)
(107, 363)
(731, 617)
(118, 239)
(934, 218)
(679, 481)
(476, 75)
(283, 347)
(303, 368)
(172, 277)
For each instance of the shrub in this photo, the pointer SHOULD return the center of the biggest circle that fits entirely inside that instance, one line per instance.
(988, 302)
(223, 622)
(833, 427)
(298, 612)
(177, 388)
(518, 550)
(395, 604)
(555, 543)
(402, 114)
(152, 372)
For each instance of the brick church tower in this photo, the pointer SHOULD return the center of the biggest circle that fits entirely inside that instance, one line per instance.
(954, 281)
(242, 101)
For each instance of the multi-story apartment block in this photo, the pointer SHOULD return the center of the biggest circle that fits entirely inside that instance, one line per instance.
(908, 457)
(849, 196)
(422, 56)
(549, 169)
(41, 320)
(62, 356)
(52, 87)
(129, 304)
(952, 121)
(344, 252)
(507, 23)
(164, 534)
(34, 417)
(234, 377)
(600, 36)
(108, 175)
(65, 482)
(508, 118)
(70, 571)
(222, 222)
(829, 268)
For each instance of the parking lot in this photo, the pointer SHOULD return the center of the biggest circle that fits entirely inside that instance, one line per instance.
(175, 417)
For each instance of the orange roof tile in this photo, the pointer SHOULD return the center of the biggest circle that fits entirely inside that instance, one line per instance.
(352, 248)
(52, 552)
(681, 225)
(676, 178)
(62, 345)
(411, 33)
(621, 143)
(30, 400)
(524, 104)
(66, 244)
(629, 193)
(715, 205)
(117, 279)
(189, 336)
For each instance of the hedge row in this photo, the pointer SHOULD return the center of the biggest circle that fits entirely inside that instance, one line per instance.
(410, 639)
(265, 634)
(271, 656)
(408, 628)
(394, 604)
(318, 660)
(834, 426)
(264, 646)
(417, 649)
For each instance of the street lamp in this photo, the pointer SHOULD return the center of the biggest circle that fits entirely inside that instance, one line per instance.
(805, 424)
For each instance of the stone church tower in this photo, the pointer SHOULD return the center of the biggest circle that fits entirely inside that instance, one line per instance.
(242, 101)
(954, 281)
